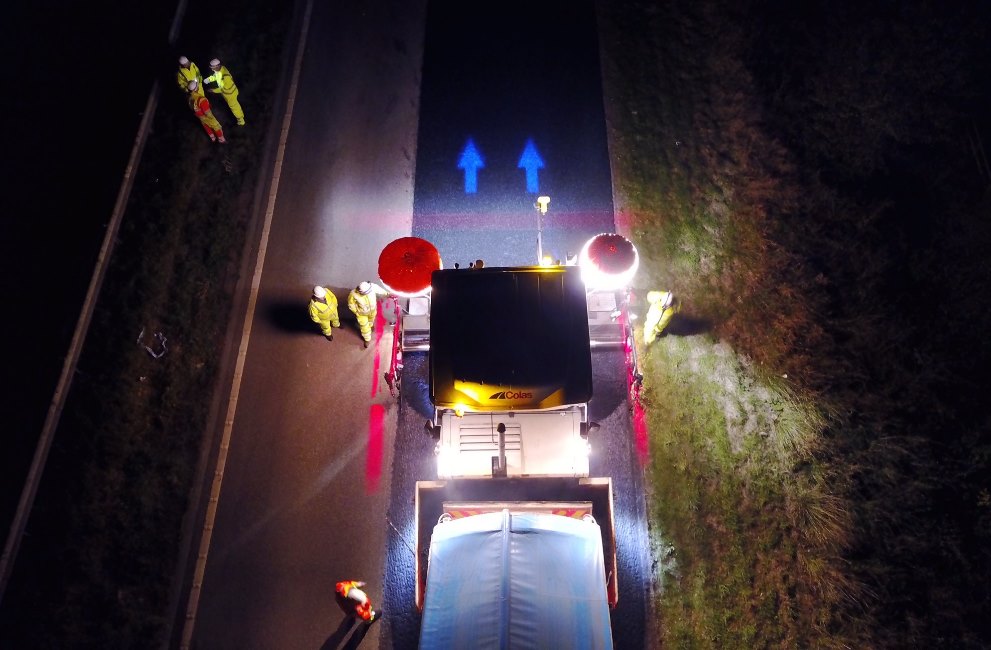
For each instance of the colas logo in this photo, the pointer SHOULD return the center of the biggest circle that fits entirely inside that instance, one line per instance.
(511, 394)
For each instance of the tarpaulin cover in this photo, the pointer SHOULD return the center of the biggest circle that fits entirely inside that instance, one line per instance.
(528, 580)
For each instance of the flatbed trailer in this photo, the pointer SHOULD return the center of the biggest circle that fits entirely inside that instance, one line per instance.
(504, 572)
(457, 499)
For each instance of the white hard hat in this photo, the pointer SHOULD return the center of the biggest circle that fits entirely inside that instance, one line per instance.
(193, 84)
(319, 292)
(365, 288)
(357, 594)
(183, 60)
(668, 299)
(214, 63)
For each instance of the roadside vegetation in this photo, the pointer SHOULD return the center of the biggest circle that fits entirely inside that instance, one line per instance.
(100, 552)
(803, 176)
(807, 178)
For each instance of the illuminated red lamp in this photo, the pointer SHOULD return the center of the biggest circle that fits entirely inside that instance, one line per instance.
(406, 264)
(608, 261)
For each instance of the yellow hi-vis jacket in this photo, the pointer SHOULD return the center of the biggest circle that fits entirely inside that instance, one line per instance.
(320, 310)
(362, 304)
(220, 81)
(186, 75)
(658, 316)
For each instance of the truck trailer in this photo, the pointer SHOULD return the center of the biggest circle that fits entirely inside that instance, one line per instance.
(515, 542)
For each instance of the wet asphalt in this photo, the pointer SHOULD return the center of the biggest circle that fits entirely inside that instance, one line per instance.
(500, 75)
(303, 502)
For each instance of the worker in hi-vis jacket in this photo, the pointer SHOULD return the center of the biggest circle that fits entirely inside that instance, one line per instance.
(363, 303)
(220, 82)
(354, 601)
(201, 107)
(663, 307)
(323, 311)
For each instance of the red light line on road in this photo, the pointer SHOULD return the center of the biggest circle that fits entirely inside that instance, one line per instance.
(633, 386)
(373, 459)
(640, 432)
(376, 414)
(378, 330)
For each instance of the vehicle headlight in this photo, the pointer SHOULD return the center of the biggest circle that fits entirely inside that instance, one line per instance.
(446, 458)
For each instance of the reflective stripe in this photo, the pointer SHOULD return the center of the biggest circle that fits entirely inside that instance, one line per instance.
(197, 106)
(366, 304)
(217, 77)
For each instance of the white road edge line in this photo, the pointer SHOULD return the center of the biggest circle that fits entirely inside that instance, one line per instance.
(218, 477)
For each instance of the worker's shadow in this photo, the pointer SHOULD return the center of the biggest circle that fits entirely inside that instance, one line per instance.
(684, 325)
(293, 316)
(340, 639)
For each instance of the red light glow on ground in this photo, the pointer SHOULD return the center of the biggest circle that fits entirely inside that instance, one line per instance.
(378, 329)
(633, 387)
(376, 414)
(373, 458)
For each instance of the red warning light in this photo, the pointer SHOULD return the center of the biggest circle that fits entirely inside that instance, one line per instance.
(406, 264)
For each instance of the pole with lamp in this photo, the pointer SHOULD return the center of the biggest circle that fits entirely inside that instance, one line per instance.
(541, 207)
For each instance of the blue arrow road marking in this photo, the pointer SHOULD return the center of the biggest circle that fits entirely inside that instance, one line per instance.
(471, 161)
(531, 162)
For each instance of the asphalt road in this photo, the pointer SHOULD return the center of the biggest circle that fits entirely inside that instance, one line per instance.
(318, 477)
(521, 82)
(306, 487)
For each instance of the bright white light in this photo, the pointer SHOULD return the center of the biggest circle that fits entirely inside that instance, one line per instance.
(403, 294)
(446, 458)
(581, 448)
(595, 278)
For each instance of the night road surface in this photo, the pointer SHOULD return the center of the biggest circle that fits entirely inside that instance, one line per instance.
(511, 109)
(501, 75)
(318, 482)
(306, 483)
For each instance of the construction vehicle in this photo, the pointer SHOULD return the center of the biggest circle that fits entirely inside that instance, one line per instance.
(515, 542)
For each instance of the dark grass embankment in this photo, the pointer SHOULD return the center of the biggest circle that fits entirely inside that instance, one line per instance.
(62, 176)
(805, 177)
(100, 551)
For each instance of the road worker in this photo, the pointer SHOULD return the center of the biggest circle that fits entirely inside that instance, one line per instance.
(188, 71)
(220, 82)
(323, 310)
(201, 107)
(363, 303)
(663, 307)
(354, 601)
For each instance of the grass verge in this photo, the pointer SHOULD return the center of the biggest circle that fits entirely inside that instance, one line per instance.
(754, 530)
(819, 472)
(99, 555)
